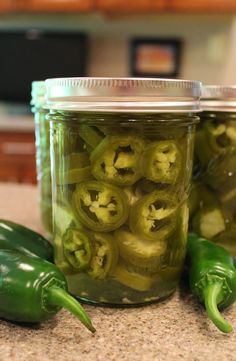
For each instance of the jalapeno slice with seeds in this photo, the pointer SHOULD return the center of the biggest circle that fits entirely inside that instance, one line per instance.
(162, 162)
(146, 255)
(220, 135)
(77, 248)
(99, 206)
(117, 159)
(214, 139)
(104, 257)
(154, 216)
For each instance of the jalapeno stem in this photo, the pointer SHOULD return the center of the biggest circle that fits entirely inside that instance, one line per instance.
(58, 296)
(213, 295)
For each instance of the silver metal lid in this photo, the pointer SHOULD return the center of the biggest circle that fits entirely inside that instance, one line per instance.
(38, 92)
(220, 98)
(123, 94)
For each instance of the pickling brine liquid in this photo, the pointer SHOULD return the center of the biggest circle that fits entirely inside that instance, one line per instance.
(120, 187)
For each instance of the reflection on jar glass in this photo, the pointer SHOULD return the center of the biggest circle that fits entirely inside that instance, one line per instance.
(213, 197)
(121, 169)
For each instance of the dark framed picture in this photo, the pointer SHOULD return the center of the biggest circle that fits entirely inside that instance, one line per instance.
(159, 58)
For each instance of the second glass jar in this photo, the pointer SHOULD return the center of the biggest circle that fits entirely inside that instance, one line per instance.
(213, 196)
(42, 143)
(121, 180)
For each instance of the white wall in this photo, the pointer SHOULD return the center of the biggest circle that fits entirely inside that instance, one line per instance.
(209, 52)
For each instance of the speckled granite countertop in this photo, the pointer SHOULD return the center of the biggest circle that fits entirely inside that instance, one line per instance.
(176, 329)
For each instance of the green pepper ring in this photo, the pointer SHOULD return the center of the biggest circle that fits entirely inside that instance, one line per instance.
(145, 255)
(106, 163)
(118, 199)
(104, 256)
(153, 166)
(77, 248)
(142, 221)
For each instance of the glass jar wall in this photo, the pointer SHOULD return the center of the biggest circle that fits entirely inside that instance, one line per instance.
(42, 142)
(213, 197)
(121, 179)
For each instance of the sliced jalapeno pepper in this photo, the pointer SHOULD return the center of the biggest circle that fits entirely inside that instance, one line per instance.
(154, 216)
(200, 197)
(213, 140)
(220, 173)
(77, 248)
(220, 135)
(77, 160)
(76, 175)
(75, 169)
(99, 206)
(145, 186)
(228, 201)
(209, 222)
(59, 257)
(162, 162)
(132, 195)
(117, 159)
(91, 135)
(104, 257)
(203, 151)
(65, 218)
(132, 279)
(146, 255)
(226, 239)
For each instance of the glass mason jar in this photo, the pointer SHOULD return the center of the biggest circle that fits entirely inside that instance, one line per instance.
(121, 152)
(213, 198)
(42, 142)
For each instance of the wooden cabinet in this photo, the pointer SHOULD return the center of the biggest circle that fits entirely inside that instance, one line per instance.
(202, 6)
(130, 6)
(118, 6)
(124, 6)
(17, 157)
(8, 5)
(58, 5)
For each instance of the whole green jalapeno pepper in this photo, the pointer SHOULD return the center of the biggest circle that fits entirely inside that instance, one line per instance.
(154, 216)
(14, 236)
(33, 290)
(99, 206)
(162, 162)
(212, 277)
(117, 159)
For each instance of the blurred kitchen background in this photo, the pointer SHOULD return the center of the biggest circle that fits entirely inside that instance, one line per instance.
(48, 38)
